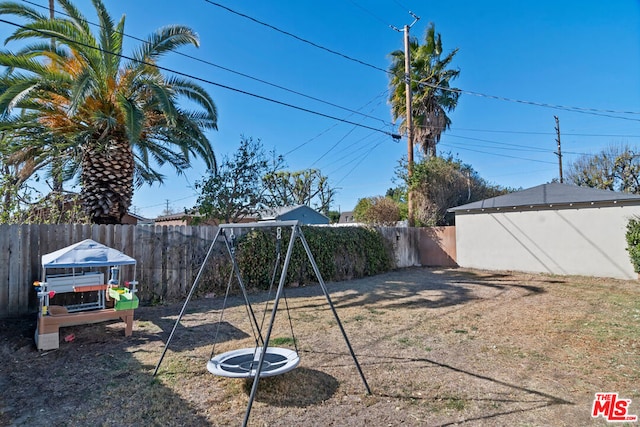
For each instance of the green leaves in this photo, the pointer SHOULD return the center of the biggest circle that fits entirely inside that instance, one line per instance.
(75, 86)
(430, 79)
(633, 242)
(341, 253)
(615, 168)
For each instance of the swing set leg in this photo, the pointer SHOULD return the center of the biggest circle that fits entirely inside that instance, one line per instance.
(184, 306)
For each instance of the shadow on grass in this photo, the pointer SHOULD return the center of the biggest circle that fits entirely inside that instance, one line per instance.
(416, 288)
(530, 398)
(300, 388)
(187, 337)
(94, 379)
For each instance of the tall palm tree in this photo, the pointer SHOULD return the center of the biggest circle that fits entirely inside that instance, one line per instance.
(107, 119)
(430, 80)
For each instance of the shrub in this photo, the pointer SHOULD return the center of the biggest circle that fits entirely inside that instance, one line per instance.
(340, 253)
(633, 242)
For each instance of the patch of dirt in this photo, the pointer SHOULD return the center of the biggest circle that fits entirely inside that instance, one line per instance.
(437, 347)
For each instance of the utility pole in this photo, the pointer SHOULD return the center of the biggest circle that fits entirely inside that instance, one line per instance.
(409, 119)
(559, 152)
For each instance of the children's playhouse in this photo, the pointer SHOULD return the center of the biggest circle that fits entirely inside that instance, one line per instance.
(81, 269)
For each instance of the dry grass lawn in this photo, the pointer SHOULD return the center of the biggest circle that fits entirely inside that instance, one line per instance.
(437, 347)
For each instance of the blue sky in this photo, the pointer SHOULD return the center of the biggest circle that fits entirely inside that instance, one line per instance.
(537, 54)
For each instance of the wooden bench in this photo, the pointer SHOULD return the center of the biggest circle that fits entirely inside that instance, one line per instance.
(48, 329)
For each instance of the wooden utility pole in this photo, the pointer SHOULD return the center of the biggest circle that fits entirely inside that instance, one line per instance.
(559, 152)
(407, 78)
(409, 119)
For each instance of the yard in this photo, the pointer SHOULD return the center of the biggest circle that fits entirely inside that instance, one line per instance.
(438, 347)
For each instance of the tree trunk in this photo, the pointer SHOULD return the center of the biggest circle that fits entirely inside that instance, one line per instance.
(107, 181)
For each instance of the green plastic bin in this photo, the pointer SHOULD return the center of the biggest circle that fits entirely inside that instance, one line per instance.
(123, 298)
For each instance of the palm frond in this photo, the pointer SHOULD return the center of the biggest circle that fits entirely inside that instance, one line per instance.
(20, 10)
(165, 40)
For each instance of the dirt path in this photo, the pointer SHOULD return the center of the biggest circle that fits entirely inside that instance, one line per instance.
(437, 347)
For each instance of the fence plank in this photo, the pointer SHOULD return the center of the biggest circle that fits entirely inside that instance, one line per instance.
(34, 263)
(23, 268)
(5, 259)
(14, 270)
(168, 257)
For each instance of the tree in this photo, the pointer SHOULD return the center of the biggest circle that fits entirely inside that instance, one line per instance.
(615, 168)
(236, 190)
(443, 183)
(399, 195)
(431, 97)
(377, 210)
(306, 187)
(334, 217)
(84, 108)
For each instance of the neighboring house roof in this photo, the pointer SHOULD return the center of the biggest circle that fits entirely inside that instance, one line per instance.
(184, 219)
(346, 217)
(140, 220)
(303, 213)
(548, 196)
(173, 217)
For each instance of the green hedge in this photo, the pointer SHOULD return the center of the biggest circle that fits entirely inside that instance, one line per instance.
(633, 242)
(341, 253)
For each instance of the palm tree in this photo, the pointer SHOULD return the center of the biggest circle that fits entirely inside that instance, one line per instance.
(79, 104)
(432, 98)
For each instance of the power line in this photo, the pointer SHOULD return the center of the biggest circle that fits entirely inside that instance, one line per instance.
(330, 128)
(358, 164)
(367, 11)
(341, 139)
(517, 147)
(354, 154)
(593, 111)
(347, 154)
(297, 37)
(449, 144)
(528, 172)
(180, 73)
(229, 70)
(333, 146)
(547, 133)
(401, 5)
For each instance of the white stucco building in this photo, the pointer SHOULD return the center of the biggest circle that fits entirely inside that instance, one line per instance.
(552, 228)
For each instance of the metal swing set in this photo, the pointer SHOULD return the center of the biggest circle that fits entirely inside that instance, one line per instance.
(261, 360)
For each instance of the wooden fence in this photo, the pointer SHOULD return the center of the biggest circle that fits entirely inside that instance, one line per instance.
(168, 257)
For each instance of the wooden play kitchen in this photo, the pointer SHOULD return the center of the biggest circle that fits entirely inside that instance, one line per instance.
(80, 269)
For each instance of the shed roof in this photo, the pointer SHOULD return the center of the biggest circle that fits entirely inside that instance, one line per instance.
(547, 195)
(278, 212)
(87, 253)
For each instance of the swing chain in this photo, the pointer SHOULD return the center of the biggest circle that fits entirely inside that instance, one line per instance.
(232, 237)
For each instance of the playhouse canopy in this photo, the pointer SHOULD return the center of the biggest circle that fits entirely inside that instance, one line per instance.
(87, 253)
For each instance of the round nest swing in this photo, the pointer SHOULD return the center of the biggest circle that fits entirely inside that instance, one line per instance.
(243, 363)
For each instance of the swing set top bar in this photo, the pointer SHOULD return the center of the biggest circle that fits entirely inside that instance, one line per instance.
(261, 224)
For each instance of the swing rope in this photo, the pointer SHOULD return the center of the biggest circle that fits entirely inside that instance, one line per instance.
(256, 330)
(257, 335)
(224, 305)
(293, 335)
(276, 267)
(273, 275)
